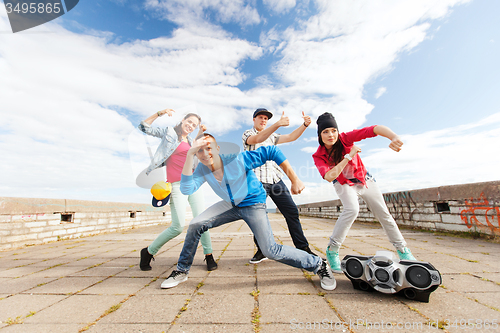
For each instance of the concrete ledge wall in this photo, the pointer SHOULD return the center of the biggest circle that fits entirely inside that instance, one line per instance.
(469, 207)
(25, 221)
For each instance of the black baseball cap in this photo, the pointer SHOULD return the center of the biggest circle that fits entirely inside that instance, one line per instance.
(263, 111)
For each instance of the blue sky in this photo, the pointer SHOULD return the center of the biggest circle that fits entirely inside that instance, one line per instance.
(72, 91)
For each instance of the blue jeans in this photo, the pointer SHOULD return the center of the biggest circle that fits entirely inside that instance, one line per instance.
(255, 217)
(280, 195)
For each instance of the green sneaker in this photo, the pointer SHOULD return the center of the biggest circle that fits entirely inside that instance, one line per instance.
(406, 255)
(334, 261)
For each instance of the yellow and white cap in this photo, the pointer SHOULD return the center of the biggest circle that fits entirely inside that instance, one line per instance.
(161, 193)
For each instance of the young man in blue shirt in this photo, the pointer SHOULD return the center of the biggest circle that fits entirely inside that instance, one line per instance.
(243, 197)
(270, 174)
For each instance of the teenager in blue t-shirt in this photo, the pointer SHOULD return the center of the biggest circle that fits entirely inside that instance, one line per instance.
(243, 197)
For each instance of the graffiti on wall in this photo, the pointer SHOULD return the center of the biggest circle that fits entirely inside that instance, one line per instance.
(402, 203)
(481, 214)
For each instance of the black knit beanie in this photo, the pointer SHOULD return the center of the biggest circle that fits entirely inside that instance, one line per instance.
(326, 120)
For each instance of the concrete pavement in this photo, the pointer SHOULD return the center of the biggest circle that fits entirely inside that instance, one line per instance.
(94, 284)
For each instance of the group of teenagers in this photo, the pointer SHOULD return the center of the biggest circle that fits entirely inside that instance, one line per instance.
(243, 180)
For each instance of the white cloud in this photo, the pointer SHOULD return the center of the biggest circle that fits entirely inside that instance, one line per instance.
(328, 59)
(380, 92)
(450, 156)
(311, 139)
(263, 81)
(194, 14)
(280, 6)
(309, 150)
(314, 192)
(61, 132)
(65, 96)
(461, 154)
(271, 40)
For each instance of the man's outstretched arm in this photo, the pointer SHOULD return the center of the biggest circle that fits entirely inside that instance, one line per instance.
(261, 155)
(263, 135)
(284, 138)
(190, 184)
(297, 184)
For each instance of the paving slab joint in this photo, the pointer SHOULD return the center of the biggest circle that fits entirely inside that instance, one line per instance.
(256, 310)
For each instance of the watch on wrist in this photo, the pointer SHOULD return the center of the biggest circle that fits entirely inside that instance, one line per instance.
(348, 157)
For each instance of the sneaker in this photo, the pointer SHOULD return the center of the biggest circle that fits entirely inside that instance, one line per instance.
(334, 261)
(211, 264)
(174, 279)
(145, 260)
(326, 276)
(406, 255)
(308, 250)
(258, 257)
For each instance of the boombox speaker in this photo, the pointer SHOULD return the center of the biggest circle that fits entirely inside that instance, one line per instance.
(384, 272)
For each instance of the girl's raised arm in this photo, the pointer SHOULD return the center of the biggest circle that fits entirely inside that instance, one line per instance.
(149, 120)
(386, 132)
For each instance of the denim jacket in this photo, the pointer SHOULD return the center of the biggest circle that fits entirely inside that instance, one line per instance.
(169, 143)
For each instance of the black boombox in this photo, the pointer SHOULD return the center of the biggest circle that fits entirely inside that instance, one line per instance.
(384, 272)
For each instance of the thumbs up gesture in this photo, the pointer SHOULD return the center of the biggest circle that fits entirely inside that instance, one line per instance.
(307, 119)
(284, 121)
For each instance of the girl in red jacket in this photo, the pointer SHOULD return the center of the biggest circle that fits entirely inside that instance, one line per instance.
(337, 160)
